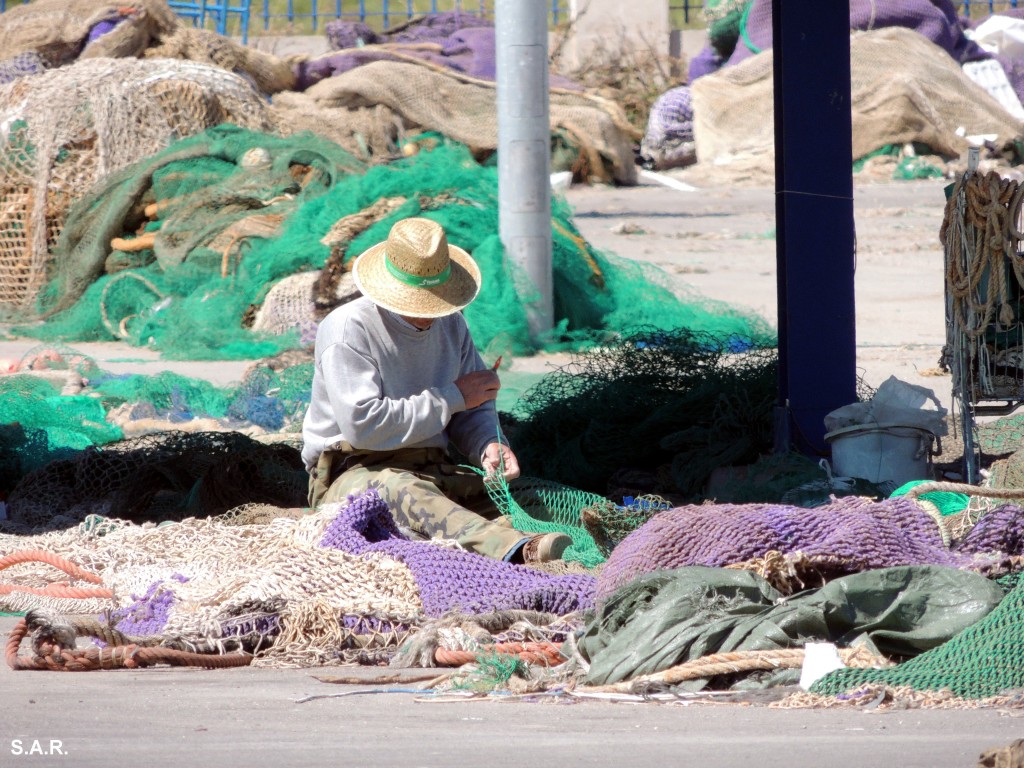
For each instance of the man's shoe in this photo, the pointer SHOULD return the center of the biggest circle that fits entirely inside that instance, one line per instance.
(545, 547)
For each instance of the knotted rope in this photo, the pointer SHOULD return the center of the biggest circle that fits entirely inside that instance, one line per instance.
(991, 207)
(53, 648)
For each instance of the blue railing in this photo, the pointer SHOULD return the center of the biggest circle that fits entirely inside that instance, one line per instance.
(983, 8)
(226, 16)
(381, 14)
(232, 17)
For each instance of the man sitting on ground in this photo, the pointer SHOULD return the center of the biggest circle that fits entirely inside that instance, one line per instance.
(397, 379)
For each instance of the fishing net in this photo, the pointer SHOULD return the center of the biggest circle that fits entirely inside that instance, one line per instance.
(154, 478)
(450, 579)
(193, 293)
(668, 139)
(946, 502)
(69, 128)
(936, 20)
(542, 506)
(61, 32)
(985, 659)
(904, 88)
(454, 39)
(198, 205)
(850, 535)
(724, 19)
(672, 406)
(332, 586)
(371, 110)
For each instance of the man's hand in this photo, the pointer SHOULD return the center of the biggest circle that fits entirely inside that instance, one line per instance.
(499, 460)
(478, 387)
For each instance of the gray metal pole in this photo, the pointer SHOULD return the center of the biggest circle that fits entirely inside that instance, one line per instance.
(524, 151)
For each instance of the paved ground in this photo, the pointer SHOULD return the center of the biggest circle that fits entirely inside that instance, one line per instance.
(722, 242)
(184, 717)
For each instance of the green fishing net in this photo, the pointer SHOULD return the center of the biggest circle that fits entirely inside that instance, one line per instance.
(654, 412)
(946, 502)
(229, 213)
(539, 506)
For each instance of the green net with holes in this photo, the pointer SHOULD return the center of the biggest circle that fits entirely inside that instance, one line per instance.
(984, 660)
(180, 252)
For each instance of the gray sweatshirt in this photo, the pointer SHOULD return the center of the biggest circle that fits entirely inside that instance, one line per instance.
(381, 384)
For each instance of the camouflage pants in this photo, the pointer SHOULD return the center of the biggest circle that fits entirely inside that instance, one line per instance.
(425, 492)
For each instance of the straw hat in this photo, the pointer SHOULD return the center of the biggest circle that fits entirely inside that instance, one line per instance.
(416, 273)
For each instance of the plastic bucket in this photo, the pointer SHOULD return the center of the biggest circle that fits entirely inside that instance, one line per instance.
(882, 452)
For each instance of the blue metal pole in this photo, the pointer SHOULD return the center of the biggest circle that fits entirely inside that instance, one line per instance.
(813, 196)
(266, 15)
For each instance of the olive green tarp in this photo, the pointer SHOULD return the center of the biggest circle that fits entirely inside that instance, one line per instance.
(670, 617)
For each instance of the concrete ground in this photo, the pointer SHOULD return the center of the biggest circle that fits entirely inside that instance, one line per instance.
(720, 241)
(175, 717)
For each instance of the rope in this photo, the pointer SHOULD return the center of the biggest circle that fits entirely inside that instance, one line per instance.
(52, 655)
(964, 488)
(730, 663)
(39, 555)
(992, 206)
(58, 590)
(548, 654)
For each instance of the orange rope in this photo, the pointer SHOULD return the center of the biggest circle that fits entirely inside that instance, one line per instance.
(58, 590)
(547, 654)
(38, 555)
(50, 656)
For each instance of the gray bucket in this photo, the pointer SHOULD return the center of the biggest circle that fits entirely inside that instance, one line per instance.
(882, 452)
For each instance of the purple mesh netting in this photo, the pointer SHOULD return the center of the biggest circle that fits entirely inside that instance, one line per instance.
(27, 63)
(671, 118)
(999, 530)
(469, 50)
(935, 19)
(371, 625)
(349, 34)
(242, 626)
(853, 534)
(451, 579)
(436, 27)
(704, 63)
(148, 614)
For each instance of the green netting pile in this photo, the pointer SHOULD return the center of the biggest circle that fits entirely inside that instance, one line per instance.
(1003, 436)
(725, 19)
(41, 425)
(204, 229)
(158, 254)
(655, 412)
(62, 404)
(985, 659)
(946, 502)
